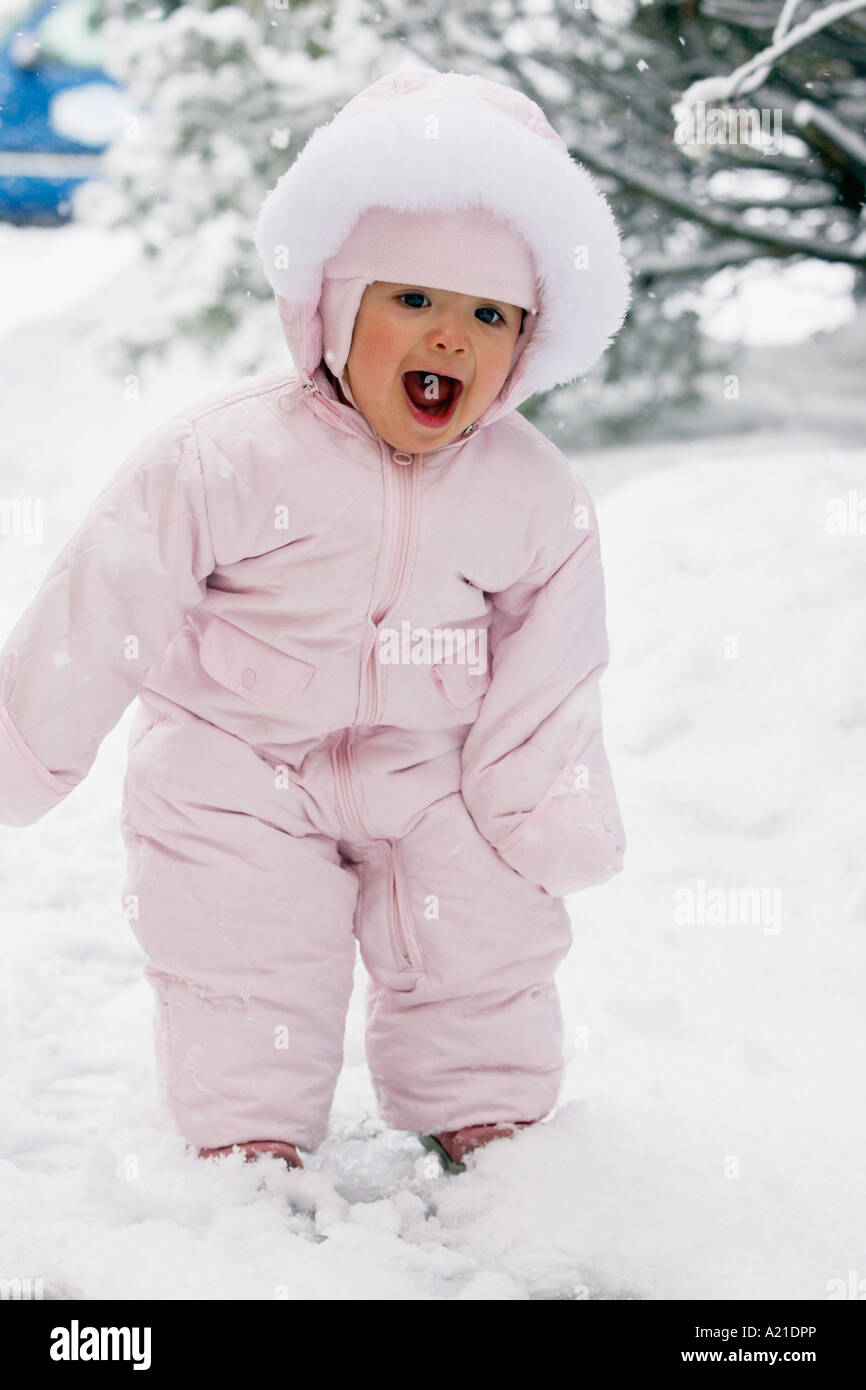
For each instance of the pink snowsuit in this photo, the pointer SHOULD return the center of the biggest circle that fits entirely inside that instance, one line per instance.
(290, 791)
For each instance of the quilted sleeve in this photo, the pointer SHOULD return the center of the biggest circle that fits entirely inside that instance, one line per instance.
(104, 614)
(535, 774)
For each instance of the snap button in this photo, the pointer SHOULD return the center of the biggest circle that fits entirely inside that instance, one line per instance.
(248, 677)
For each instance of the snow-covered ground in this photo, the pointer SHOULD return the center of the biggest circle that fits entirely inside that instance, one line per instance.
(709, 1138)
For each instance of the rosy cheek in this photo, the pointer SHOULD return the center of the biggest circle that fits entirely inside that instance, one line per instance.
(379, 348)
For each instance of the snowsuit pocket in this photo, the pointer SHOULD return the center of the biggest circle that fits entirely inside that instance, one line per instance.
(252, 668)
(459, 683)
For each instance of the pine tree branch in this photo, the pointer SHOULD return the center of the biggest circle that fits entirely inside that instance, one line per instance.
(652, 265)
(854, 253)
(789, 202)
(828, 133)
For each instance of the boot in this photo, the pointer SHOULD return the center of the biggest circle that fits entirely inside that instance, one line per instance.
(453, 1145)
(251, 1150)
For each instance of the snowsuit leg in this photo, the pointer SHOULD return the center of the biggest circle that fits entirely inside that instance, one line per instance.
(464, 1024)
(247, 922)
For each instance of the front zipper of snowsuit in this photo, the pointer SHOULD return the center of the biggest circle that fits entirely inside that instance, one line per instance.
(402, 487)
(401, 504)
(401, 484)
(399, 920)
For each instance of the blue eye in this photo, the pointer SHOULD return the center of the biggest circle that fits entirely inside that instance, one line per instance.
(485, 308)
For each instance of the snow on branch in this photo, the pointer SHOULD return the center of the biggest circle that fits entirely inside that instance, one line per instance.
(752, 73)
(849, 141)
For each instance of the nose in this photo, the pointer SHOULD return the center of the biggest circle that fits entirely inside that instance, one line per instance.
(449, 333)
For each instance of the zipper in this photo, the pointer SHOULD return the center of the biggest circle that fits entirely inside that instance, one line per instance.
(352, 812)
(403, 946)
(350, 806)
(401, 487)
(305, 388)
(310, 388)
(401, 490)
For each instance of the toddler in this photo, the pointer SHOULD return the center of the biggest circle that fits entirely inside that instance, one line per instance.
(361, 605)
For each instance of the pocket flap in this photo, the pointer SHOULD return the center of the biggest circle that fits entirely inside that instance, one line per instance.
(250, 667)
(460, 683)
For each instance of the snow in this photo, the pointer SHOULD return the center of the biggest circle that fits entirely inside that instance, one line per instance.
(92, 113)
(11, 10)
(37, 284)
(709, 1137)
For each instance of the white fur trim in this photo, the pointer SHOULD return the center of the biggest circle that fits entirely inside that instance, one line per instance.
(434, 148)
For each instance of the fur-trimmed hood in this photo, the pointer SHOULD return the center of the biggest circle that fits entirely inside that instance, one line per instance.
(423, 140)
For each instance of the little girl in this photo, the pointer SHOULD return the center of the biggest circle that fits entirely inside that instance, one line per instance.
(362, 608)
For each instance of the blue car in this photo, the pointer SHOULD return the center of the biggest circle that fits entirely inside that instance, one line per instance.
(59, 110)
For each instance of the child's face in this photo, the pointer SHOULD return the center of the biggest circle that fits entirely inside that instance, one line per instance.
(450, 335)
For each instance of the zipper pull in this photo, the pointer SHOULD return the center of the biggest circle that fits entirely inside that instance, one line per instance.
(304, 386)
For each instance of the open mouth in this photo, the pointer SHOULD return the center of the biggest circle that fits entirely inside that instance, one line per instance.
(432, 398)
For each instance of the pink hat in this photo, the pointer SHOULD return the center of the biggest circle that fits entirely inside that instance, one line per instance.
(471, 251)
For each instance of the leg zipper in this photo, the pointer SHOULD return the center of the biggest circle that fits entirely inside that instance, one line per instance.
(401, 934)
